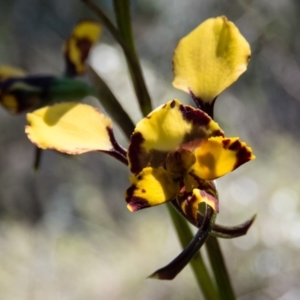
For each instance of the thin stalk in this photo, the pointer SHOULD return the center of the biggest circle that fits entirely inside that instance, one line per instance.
(219, 269)
(126, 43)
(122, 12)
(185, 235)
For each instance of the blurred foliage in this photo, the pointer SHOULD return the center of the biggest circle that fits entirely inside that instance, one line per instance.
(65, 232)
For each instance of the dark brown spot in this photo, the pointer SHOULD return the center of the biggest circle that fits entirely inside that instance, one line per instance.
(226, 143)
(137, 203)
(143, 191)
(130, 192)
(173, 103)
(140, 177)
(218, 132)
(84, 45)
(164, 106)
(235, 146)
(194, 116)
(134, 152)
(243, 155)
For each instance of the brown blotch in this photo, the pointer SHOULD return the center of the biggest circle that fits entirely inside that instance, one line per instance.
(243, 155)
(137, 203)
(218, 132)
(130, 192)
(140, 177)
(84, 45)
(226, 143)
(235, 146)
(173, 103)
(195, 116)
(143, 191)
(134, 152)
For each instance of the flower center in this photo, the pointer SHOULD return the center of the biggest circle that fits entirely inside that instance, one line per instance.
(179, 161)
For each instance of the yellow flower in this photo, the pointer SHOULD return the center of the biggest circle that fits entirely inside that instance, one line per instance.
(175, 152)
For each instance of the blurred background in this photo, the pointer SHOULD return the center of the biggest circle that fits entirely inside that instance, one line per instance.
(65, 232)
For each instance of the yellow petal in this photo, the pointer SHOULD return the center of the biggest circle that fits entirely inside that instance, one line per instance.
(149, 188)
(191, 203)
(164, 130)
(7, 72)
(78, 45)
(71, 128)
(218, 156)
(210, 58)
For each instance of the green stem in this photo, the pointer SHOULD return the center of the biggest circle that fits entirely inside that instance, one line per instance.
(185, 235)
(122, 12)
(219, 269)
(126, 42)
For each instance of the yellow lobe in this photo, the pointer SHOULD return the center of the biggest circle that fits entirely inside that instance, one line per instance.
(76, 49)
(218, 156)
(152, 186)
(72, 128)
(210, 58)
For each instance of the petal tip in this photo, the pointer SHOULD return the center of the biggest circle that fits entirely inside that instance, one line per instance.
(130, 207)
(155, 275)
(136, 203)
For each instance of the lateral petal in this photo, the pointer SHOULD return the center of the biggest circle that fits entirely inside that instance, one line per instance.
(152, 186)
(218, 156)
(210, 58)
(72, 128)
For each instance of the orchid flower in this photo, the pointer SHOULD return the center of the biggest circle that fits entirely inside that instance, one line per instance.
(177, 151)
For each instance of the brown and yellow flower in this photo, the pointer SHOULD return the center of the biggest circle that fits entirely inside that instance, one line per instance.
(176, 152)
